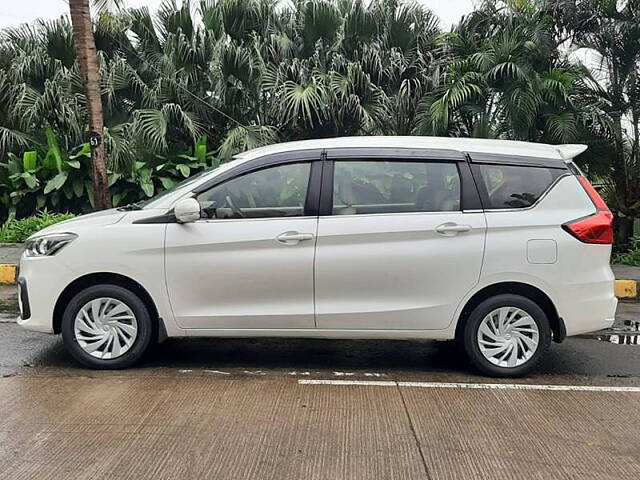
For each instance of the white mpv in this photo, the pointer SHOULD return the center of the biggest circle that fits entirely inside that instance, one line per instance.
(501, 245)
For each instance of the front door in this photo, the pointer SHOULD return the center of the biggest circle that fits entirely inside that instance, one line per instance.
(396, 251)
(248, 263)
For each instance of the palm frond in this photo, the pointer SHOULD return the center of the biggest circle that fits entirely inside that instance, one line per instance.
(240, 139)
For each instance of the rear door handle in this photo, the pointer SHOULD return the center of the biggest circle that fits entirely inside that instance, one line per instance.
(451, 228)
(292, 238)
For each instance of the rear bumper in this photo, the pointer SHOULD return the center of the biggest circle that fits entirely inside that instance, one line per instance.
(590, 311)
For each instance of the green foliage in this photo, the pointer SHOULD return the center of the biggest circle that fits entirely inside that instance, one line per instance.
(60, 181)
(197, 82)
(631, 257)
(242, 73)
(145, 179)
(505, 77)
(17, 231)
(51, 180)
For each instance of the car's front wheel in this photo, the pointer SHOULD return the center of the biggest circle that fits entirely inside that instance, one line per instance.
(106, 327)
(506, 335)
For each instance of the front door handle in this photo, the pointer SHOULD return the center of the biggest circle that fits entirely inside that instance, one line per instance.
(450, 228)
(292, 238)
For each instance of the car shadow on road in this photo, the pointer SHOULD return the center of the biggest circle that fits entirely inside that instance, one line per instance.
(308, 354)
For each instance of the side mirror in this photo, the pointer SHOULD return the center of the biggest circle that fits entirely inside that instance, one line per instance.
(187, 210)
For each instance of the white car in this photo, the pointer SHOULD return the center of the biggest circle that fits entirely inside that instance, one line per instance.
(501, 245)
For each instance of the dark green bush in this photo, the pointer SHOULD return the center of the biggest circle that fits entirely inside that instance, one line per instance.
(17, 231)
(60, 181)
(631, 257)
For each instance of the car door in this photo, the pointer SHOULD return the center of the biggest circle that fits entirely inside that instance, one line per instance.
(400, 239)
(248, 262)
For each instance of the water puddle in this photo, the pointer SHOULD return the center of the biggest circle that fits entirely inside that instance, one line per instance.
(628, 333)
(617, 339)
(631, 326)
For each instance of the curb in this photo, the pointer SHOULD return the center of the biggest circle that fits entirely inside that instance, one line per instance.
(8, 273)
(626, 288)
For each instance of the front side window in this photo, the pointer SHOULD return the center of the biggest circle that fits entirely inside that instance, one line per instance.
(510, 186)
(271, 192)
(371, 186)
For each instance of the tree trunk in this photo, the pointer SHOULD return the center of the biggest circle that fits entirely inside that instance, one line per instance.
(619, 166)
(624, 231)
(85, 47)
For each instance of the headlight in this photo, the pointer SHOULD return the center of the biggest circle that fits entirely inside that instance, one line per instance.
(47, 245)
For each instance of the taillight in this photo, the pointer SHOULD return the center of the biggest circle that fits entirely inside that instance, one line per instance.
(596, 228)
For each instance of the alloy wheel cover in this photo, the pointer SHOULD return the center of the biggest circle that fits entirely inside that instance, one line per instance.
(508, 337)
(105, 328)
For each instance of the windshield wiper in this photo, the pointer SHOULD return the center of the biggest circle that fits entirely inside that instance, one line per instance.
(131, 206)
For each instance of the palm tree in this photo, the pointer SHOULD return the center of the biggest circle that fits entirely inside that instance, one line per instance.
(243, 72)
(611, 31)
(502, 76)
(87, 59)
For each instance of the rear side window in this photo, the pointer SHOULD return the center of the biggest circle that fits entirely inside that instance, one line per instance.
(376, 186)
(510, 186)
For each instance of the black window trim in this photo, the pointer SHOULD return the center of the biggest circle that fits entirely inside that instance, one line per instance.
(516, 160)
(407, 154)
(312, 156)
(260, 163)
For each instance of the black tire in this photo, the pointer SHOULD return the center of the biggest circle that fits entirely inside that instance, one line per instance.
(143, 319)
(470, 339)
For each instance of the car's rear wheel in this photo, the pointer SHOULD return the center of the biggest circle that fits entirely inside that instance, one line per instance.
(506, 335)
(106, 327)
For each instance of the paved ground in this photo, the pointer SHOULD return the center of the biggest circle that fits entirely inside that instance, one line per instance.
(10, 252)
(248, 409)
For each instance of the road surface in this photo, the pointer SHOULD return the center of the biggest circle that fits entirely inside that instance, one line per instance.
(318, 409)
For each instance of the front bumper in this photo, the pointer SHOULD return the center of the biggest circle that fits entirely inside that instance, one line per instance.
(23, 299)
(40, 284)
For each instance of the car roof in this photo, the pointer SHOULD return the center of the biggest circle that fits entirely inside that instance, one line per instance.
(465, 145)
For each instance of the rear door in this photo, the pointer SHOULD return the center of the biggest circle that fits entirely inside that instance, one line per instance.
(400, 239)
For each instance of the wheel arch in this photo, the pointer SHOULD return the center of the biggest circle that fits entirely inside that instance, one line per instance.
(516, 288)
(107, 278)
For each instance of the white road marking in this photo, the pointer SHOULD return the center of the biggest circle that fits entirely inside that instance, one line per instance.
(379, 383)
(473, 386)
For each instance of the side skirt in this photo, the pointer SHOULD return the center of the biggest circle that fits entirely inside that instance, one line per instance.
(447, 334)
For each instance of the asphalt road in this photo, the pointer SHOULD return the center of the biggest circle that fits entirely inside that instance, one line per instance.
(318, 409)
